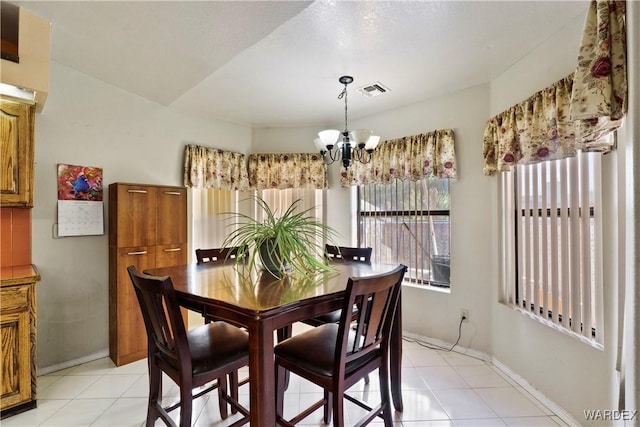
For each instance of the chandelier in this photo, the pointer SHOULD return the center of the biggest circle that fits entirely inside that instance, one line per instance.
(357, 145)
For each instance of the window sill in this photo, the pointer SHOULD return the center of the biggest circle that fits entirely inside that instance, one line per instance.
(590, 342)
(427, 287)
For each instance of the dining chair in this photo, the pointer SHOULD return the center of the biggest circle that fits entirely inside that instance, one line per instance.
(218, 255)
(342, 355)
(347, 254)
(340, 254)
(201, 356)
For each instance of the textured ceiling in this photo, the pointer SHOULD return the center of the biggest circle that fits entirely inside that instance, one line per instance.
(277, 63)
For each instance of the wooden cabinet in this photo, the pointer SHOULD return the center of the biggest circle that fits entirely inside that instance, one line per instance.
(147, 228)
(18, 339)
(16, 153)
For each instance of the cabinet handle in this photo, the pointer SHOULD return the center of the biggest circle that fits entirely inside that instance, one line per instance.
(137, 253)
(172, 193)
(173, 250)
(137, 191)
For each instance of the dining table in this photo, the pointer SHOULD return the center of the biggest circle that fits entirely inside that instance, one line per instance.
(263, 304)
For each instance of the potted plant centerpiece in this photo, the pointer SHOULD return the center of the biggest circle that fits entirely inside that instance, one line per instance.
(286, 243)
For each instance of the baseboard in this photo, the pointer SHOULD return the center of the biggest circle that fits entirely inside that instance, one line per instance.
(558, 410)
(446, 346)
(74, 362)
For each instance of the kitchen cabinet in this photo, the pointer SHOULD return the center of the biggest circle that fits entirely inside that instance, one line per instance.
(16, 153)
(18, 338)
(148, 229)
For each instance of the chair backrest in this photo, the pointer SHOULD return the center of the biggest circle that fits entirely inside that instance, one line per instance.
(218, 255)
(162, 319)
(347, 254)
(377, 299)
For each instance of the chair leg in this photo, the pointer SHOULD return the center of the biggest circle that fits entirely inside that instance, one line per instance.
(280, 388)
(186, 403)
(338, 409)
(222, 392)
(385, 398)
(233, 386)
(282, 334)
(155, 393)
(328, 406)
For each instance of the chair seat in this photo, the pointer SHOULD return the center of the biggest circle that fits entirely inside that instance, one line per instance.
(321, 360)
(229, 342)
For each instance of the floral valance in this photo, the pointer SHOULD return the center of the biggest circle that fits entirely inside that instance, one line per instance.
(206, 167)
(408, 158)
(287, 170)
(578, 112)
(600, 84)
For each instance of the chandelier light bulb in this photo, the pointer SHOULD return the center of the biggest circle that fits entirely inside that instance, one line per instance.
(372, 143)
(329, 138)
(361, 136)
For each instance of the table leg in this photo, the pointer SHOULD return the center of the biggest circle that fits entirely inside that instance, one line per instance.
(261, 375)
(395, 358)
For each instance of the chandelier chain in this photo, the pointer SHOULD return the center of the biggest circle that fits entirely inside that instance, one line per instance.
(343, 94)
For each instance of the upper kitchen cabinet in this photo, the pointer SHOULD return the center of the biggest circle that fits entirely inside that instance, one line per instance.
(16, 153)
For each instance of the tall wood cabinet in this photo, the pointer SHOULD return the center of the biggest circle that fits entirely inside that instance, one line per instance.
(18, 338)
(16, 153)
(148, 229)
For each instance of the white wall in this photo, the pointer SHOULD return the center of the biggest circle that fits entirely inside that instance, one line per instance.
(87, 122)
(571, 373)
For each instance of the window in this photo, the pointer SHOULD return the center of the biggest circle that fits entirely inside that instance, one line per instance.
(209, 208)
(280, 200)
(408, 222)
(552, 236)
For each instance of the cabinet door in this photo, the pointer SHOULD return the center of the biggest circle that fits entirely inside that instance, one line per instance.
(128, 339)
(172, 215)
(15, 353)
(132, 215)
(16, 154)
(170, 255)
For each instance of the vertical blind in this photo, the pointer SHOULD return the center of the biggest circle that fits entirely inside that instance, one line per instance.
(557, 243)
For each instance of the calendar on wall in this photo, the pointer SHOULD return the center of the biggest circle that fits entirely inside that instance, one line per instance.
(80, 203)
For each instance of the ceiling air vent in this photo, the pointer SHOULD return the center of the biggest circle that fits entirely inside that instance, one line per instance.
(373, 89)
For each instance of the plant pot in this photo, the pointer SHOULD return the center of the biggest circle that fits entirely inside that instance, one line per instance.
(440, 267)
(271, 260)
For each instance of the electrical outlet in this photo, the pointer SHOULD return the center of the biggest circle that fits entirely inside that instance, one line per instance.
(464, 315)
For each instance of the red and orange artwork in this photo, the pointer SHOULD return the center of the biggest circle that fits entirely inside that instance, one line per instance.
(79, 183)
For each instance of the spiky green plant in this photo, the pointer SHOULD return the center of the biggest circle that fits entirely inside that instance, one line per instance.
(290, 239)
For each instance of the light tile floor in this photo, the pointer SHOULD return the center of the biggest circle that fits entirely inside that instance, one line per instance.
(440, 388)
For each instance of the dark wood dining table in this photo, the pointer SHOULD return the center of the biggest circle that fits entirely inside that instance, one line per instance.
(263, 304)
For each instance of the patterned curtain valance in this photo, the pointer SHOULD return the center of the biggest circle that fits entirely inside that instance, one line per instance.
(575, 113)
(600, 84)
(287, 170)
(206, 167)
(408, 158)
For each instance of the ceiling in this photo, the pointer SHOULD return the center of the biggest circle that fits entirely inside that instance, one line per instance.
(277, 63)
